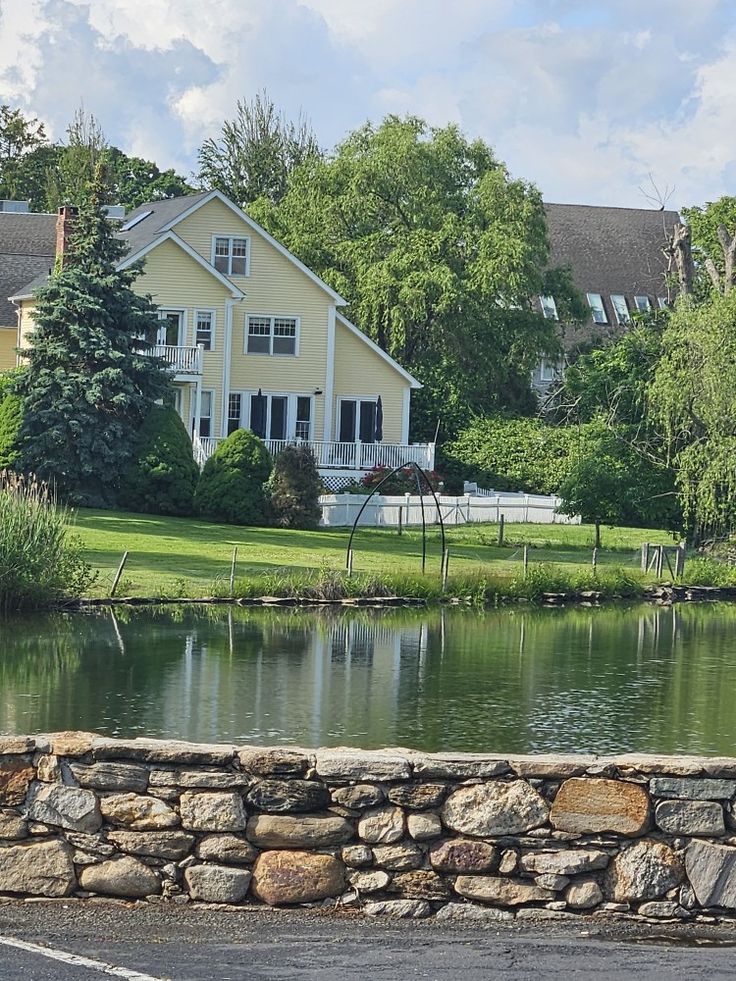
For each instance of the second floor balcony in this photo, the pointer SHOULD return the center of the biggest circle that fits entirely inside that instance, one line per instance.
(180, 359)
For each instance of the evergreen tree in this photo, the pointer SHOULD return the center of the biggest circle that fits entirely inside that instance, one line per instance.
(89, 381)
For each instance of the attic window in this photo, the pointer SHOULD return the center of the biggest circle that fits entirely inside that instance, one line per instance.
(595, 301)
(135, 221)
(620, 308)
(549, 307)
(230, 255)
(642, 303)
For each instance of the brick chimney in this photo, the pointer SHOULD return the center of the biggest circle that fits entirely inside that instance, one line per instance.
(64, 226)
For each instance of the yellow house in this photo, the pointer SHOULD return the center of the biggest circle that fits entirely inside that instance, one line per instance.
(255, 339)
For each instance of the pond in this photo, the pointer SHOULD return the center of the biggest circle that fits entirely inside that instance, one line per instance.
(614, 679)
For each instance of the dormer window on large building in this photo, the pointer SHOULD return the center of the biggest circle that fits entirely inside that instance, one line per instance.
(595, 302)
(620, 308)
(230, 255)
(549, 307)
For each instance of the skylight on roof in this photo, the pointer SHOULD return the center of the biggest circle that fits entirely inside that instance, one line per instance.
(135, 221)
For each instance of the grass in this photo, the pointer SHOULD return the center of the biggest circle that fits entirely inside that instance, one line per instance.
(191, 557)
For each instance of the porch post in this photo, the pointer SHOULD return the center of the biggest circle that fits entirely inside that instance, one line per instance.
(359, 454)
(197, 406)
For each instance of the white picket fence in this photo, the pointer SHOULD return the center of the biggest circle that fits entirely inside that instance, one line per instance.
(340, 510)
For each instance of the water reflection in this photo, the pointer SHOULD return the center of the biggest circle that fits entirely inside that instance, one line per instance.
(614, 679)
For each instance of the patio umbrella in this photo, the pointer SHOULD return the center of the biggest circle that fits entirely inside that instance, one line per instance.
(379, 420)
(258, 414)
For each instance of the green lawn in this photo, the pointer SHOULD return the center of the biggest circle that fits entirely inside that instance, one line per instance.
(187, 555)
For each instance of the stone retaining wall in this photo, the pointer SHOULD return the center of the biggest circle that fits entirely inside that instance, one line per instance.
(394, 832)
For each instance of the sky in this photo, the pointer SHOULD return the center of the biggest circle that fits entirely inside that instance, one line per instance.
(595, 101)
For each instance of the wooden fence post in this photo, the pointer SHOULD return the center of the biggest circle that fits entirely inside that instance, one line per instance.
(645, 557)
(350, 563)
(401, 517)
(595, 559)
(445, 568)
(660, 561)
(680, 561)
(526, 559)
(500, 531)
(232, 570)
(118, 574)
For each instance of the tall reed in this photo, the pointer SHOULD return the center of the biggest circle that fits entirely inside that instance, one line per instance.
(40, 562)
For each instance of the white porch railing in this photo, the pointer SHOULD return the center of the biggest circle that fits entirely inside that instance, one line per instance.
(182, 360)
(339, 456)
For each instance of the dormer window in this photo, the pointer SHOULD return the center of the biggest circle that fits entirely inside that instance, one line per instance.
(231, 255)
(620, 308)
(549, 307)
(595, 302)
(642, 303)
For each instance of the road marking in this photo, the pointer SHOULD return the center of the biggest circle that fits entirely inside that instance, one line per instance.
(76, 960)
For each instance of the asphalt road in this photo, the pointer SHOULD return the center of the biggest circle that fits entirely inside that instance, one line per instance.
(97, 940)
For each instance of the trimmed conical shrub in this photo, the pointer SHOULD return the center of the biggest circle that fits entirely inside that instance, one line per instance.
(231, 487)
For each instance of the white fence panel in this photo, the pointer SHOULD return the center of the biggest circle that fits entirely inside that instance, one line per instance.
(340, 510)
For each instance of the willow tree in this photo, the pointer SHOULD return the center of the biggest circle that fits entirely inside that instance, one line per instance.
(693, 396)
(438, 252)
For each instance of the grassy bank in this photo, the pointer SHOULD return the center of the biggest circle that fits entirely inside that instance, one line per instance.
(188, 557)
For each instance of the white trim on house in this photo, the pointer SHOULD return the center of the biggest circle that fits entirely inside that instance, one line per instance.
(273, 317)
(226, 362)
(213, 323)
(413, 383)
(170, 236)
(329, 395)
(182, 335)
(405, 412)
(262, 232)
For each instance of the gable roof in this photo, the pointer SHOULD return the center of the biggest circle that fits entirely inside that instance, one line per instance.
(378, 350)
(611, 250)
(163, 219)
(27, 246)
(171, 236)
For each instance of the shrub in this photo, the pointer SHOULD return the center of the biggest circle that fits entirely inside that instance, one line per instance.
(162, 476)
(11, 416)
(230, 488)
(403, 481)
(294, 489)
(40, 563)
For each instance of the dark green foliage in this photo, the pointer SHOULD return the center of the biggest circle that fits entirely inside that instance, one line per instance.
(89, 382)
(294, 488)
(11, 416)
(163, 475)
(230, 488)
(524, 454)
(608, 482)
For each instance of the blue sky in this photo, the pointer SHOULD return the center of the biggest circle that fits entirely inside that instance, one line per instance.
(586, 99)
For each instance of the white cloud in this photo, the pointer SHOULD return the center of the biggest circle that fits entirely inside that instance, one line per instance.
(585, 97)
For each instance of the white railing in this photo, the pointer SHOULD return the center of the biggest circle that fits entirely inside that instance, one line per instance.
(339, 456)
(182, 360)
(340, 510)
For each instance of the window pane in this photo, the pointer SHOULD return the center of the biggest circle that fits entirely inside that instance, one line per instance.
(549, 307)
(204, 329)
(278, 417)
(258, 415)
(234, 403)
(620, 307)
(259, 335)
(347, 421)
(284, 345)
(222, 246)
(367, 422)
(222, 264)
(259, 345)
(642, 303)
(303, 415)
(595, 301)
(206, 404)
(662, 302)
(205, 415)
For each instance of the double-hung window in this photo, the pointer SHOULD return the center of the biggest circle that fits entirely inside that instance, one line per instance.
(620, 308)
(204, 325)
(272, 335)
(234, 412)
(230, 255)
(595, 302)
(205, 414)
